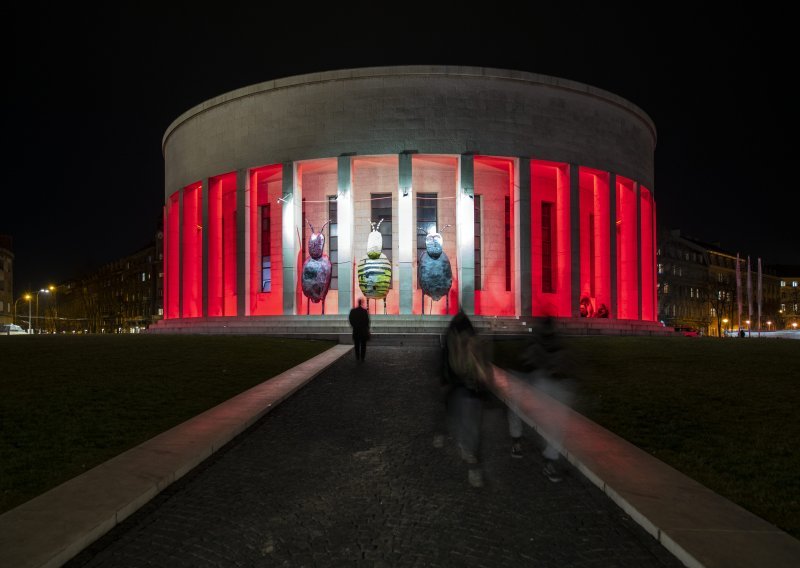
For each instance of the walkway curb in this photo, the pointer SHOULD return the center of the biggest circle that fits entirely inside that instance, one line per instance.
(698, 526)
(52, 528)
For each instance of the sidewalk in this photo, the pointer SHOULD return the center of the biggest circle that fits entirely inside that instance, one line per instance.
(344, 472)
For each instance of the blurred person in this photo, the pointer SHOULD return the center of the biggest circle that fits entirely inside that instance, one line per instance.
(465, 371)
(359, 321)
(544, 365)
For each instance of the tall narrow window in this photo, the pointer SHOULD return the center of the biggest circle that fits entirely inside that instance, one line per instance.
(478, 283)
(426, 218)
(266, 250)
(547, 247)
(507, 242)
(333, 241)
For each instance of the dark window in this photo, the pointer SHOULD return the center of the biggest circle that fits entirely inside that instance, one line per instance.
(547, 247)
(266, 250)
(382, 209)
(507, 242)
(426, 218)
(333, 240)
(478, 282)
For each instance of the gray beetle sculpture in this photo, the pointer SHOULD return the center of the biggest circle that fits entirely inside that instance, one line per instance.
(434, 274)
(316, 279)
(374, 269)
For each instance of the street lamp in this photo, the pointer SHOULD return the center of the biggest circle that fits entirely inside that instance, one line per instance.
(769, 323)
(38, 330)
(724, 324)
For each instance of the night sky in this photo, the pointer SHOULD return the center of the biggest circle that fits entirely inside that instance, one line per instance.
(91, 95)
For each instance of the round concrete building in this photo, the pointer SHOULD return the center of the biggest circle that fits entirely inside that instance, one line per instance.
(541, 189)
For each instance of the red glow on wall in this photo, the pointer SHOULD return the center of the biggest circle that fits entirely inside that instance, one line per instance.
(222, 245)
(595, 244)
(627, 262)
(494, 182)
(550, 239)
(172, 244)
(264, 192)
(648, 256)
(192, 251)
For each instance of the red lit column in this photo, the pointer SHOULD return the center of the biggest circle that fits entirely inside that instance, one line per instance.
(242, 242)
(639, 266)
(522, 217)
(204, 213)
(344, 210)
(180, 253)
(575, 239)
(612, 220)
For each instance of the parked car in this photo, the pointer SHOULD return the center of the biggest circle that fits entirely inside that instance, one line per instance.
(688, 331)
(11, 329)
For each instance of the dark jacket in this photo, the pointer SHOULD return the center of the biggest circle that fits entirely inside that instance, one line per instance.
(359, 320)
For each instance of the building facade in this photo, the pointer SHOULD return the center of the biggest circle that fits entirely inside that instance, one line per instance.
(123, 296)
(697, 287)
(6, 280)
(541, 189)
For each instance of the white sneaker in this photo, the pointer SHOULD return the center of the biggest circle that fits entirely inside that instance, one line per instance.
(475, 477)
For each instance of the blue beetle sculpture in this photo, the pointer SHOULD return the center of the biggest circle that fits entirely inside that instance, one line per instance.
(374, 268)
(316, 278)
(434, 274)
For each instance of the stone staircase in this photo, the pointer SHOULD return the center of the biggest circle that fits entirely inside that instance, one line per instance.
(396, 329)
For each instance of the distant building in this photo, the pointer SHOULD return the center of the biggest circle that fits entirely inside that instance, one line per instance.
(6, 280)
(789, 312)
(697, 287)
(123, 296)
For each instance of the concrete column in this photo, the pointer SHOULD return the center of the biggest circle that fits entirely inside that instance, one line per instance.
(654, 266)
(612, 256)
(180, 253)
(406, 235)
(242, 242)
(522, 236)
(639, 248)
(575, 239)
(344, 207)
(465, 232)
(292, 215)
(204, 217)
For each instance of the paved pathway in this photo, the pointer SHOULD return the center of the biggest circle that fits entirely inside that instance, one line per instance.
(344, 474)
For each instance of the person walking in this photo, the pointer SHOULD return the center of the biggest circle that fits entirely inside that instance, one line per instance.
(464, 375)
(545, 366)
(359, 321)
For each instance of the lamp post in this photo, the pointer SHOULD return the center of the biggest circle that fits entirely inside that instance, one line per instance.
(724, 325)
(38, 329)
(53, 291)
(23, 297)
(769, 324)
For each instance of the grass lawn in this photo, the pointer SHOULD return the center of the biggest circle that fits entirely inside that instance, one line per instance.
(724, 412)
(69, 403)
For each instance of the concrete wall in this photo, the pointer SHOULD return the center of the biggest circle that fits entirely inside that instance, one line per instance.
(430, 109)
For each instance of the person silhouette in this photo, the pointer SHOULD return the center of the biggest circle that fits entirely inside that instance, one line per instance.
(359, 321)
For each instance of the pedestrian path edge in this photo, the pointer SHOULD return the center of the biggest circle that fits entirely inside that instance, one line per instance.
(52, 528)
(698, 526)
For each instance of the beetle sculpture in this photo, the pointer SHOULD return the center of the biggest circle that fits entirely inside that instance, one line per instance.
(316, 279)
(374, 269)
(434, 274)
